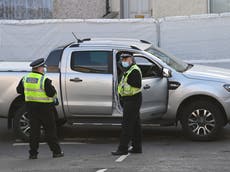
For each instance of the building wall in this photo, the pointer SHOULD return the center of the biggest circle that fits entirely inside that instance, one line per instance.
(83, 9)
(115, 5)
(219, 6)
(163, 8)
(26, 9)
(45, 9)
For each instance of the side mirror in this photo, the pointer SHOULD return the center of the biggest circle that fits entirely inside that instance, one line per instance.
(167, 73)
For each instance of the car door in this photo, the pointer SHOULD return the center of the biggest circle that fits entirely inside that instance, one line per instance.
(154, 88)
(89, 83)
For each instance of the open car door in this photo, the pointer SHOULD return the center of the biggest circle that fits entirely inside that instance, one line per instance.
(154, 88)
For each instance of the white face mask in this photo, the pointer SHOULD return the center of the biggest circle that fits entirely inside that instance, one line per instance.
(125, 64)
(45, 70)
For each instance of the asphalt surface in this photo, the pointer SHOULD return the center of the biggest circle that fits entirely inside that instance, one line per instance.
(88, 149)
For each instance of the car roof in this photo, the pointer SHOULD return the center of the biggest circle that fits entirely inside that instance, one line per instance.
(113, 42)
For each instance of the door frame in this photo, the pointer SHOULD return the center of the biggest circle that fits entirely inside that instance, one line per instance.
(117, 109)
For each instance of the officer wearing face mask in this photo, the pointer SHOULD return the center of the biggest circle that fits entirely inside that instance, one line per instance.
(39, 97)
(129, 89)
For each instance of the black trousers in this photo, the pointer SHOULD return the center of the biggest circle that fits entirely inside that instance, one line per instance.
(131, 124)
(41, 114)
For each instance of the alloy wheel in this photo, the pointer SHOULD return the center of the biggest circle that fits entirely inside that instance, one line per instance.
(201, 122)
(24, 124)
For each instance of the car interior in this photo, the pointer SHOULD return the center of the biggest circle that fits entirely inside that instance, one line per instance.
(148, 68)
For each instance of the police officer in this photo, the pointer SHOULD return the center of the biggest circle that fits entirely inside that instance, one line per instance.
(129, 89)
(39, 97)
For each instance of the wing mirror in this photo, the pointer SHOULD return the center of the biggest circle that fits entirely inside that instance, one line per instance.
(167, 73)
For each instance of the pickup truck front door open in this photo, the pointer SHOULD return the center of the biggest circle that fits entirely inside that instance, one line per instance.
(154, 87)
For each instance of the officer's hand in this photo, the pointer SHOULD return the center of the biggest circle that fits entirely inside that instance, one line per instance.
(56, 101)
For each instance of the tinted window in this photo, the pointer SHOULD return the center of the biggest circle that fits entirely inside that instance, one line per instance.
(53, 60)
(92, 61)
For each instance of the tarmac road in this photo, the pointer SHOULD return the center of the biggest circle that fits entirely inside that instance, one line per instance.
(88, 149)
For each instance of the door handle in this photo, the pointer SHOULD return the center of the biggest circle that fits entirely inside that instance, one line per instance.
(76, 80)
(146, 87)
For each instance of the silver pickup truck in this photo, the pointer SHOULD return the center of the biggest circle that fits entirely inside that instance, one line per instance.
(86, 74)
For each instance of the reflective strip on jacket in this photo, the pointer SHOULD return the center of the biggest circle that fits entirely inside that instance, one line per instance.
(34, 88)
(124, 89)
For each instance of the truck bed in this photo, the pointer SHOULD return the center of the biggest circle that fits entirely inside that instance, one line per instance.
(14, 66)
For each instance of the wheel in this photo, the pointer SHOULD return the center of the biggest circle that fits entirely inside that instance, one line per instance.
(21, 124)
(202, 120)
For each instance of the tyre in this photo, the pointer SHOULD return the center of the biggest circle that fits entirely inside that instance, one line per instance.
(21, 124)
(202, 120)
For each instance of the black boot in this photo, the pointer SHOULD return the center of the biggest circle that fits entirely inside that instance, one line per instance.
(58, 155)
(133, 150)
(119, 152)
(33, 157)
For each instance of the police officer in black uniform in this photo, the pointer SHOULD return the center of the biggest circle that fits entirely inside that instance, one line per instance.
(129, 89)
(39, 97)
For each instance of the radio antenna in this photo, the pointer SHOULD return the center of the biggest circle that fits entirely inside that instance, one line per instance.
(78, 40)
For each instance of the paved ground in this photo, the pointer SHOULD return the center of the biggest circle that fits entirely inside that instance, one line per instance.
(88, 150)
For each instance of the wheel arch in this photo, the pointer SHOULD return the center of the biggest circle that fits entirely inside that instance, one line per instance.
(15, 105)
(201, 97)
(19, 102)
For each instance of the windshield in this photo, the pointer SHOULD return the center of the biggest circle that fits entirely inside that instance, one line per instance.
(170, 60)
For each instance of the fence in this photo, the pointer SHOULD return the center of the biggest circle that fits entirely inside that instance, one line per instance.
(29, 39)
(197, 37)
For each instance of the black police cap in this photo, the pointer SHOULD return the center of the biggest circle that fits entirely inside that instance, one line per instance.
(126, 55)
(38, 63)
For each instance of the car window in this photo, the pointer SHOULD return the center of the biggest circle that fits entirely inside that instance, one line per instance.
(53, 60)
(148, 68)
(92, 61)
